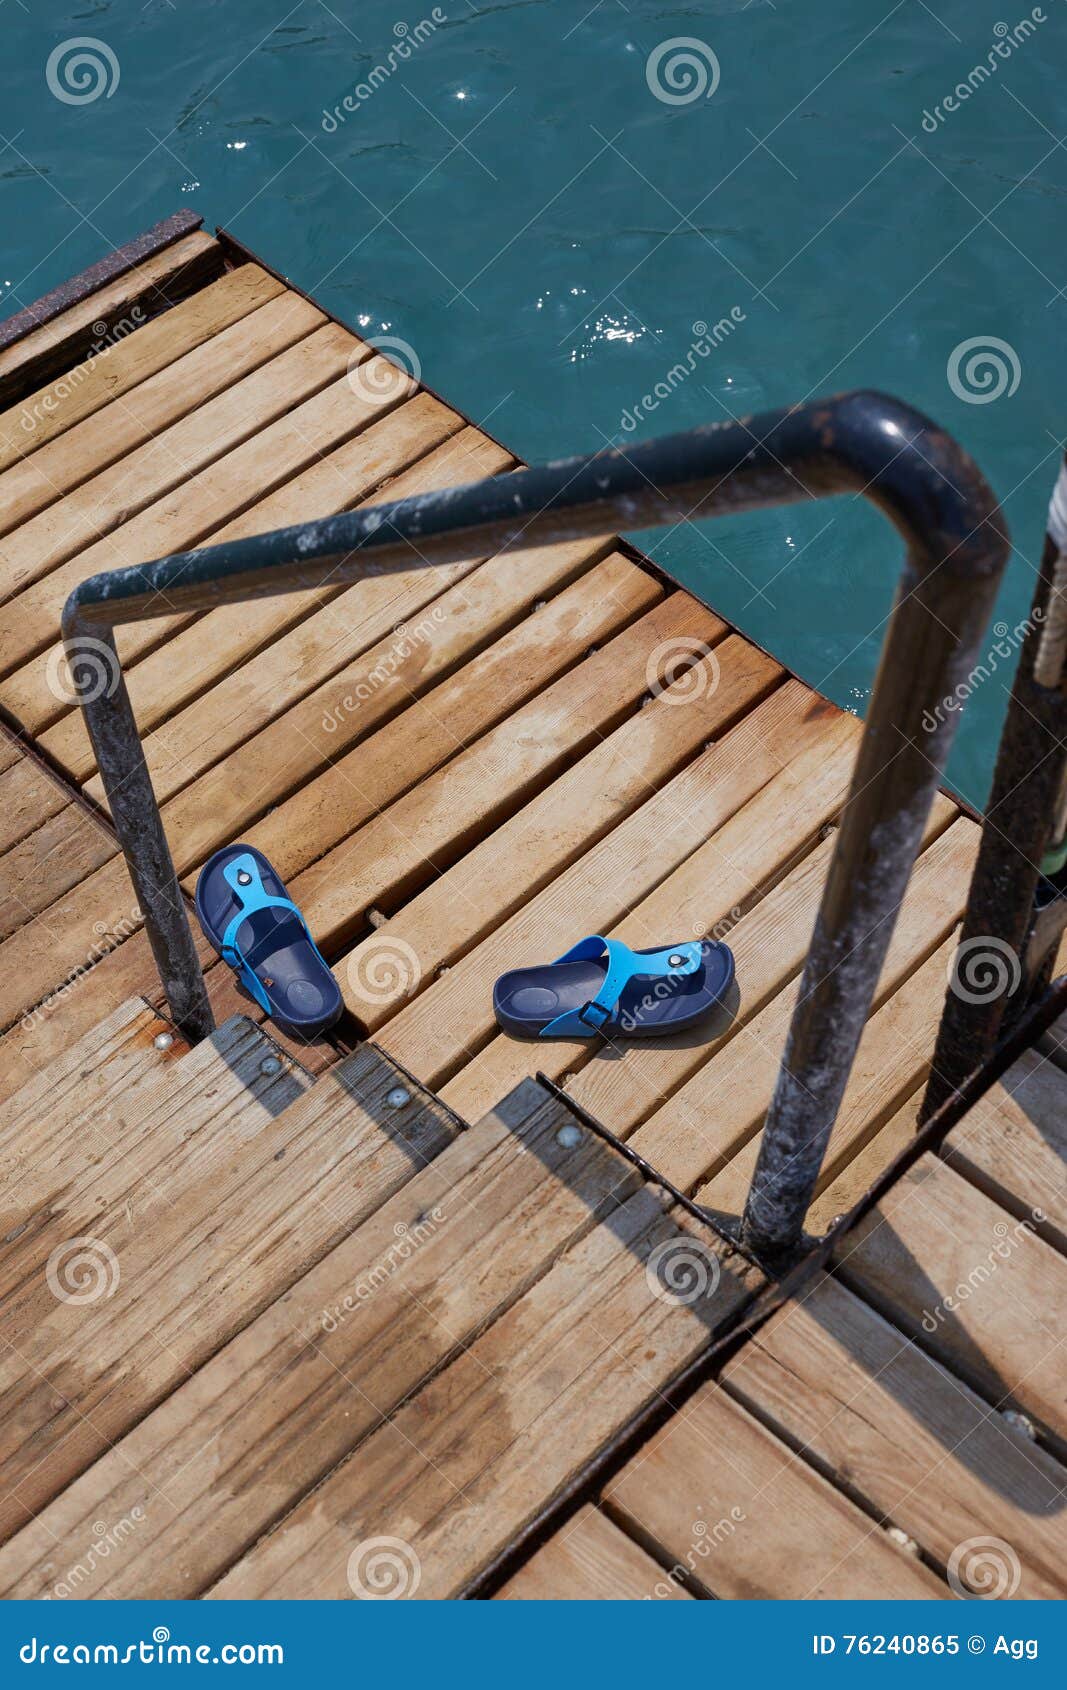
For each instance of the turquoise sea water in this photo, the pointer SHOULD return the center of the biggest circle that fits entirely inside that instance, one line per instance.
(509, 196)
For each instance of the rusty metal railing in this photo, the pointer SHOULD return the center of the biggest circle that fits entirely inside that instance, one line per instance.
(861, 443)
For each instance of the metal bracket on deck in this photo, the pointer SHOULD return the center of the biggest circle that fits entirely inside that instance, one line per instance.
(860, 443)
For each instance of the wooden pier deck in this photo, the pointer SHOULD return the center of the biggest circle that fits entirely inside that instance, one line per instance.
(313, 1312)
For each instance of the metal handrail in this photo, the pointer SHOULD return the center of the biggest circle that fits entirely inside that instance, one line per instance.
(863, 443)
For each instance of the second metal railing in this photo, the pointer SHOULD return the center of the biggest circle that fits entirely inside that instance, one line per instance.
(861, 443)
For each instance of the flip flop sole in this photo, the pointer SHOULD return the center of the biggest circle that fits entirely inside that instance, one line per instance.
(525, 1000)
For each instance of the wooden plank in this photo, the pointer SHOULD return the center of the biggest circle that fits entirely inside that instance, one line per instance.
(726, 1502)
(591, 1560)
(49, 862)
(893, 1059)
(104, 378)
(129, 300)
(421, 834)
(449, 1026)
(888, 1426)
(302, 1386)
(238, 682)
(29, 795)
(106, 269)
(216, 1235)
(512, 864)
(10, 751)
(856, 1177)
(126, 424)
(384, 765)
(170, 460)
(460, 1470)
(115, 1058)
(37, 694)
(1013, 1144)
(392, 760)
(973, 1285)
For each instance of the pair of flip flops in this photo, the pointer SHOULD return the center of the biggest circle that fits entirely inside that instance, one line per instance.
(599, 988)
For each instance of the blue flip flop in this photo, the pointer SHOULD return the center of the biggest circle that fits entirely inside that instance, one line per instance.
(602, 987)
(254, 925)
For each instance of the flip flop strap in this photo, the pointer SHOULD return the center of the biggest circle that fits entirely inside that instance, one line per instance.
(252, 898)
(624, 965)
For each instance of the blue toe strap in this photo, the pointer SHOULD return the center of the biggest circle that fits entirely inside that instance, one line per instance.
(242, 876)
(624, 965)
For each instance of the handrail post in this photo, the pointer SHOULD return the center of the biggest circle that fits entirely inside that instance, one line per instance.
(96, 674)
(863, 443)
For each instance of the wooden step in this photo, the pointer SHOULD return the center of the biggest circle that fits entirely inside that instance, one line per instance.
(732, 1508)
(195, 1227)
(971, 1284)
(889, 1426)
(305, 1383)
(461, 1469)
(1013, 1145)
(591, 1560)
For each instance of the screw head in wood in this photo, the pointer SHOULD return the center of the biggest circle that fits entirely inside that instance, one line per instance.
(397, 1098)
